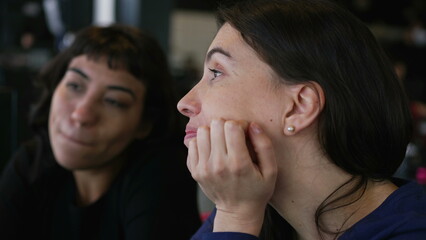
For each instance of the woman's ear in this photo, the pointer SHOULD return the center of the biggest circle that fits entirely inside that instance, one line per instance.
(306, 103)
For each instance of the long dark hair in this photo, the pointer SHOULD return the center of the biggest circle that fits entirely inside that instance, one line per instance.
(366, 124)
(126, 48)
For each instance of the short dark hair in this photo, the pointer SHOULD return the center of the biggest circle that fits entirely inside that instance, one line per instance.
(124, 47)
(366, 123)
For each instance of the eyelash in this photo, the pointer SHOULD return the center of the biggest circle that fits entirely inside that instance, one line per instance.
(215, 72)
(115, 103)
(73, 86)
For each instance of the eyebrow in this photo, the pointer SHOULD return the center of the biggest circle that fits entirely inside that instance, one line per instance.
(217, 50)
(112, 87)
(124, 89)
(79, 72)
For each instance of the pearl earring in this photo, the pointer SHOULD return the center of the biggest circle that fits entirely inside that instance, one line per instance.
(291, 129)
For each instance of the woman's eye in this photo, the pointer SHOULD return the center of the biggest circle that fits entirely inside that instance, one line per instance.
(73, 86)
(115, 103)
(215, 72)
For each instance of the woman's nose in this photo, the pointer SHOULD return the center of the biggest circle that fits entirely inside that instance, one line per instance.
(189, 105)
(85, 112)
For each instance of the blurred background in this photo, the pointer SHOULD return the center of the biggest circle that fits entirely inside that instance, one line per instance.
(32, 31)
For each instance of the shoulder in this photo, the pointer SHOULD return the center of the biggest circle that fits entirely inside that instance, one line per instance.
(23, 161)
(16, 174)
(401, 216)
(32, 171)
(25, 192)
(406, 226)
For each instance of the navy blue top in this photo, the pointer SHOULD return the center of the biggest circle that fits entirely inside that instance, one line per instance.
(402, 216)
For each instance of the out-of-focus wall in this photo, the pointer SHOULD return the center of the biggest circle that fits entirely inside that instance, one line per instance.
(191, 33)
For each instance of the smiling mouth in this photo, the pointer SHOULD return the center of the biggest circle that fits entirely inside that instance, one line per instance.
(77, 141)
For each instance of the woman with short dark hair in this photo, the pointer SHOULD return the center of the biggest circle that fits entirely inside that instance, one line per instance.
(104, 162)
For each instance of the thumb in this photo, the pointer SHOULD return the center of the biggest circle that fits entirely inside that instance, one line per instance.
(264, 151)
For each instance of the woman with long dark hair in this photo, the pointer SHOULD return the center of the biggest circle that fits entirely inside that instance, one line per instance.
(299, 114)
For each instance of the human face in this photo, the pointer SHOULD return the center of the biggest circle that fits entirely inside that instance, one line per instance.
(236, 85)
(95, 113)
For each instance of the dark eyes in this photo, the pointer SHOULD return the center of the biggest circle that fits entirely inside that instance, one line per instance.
(73, 86)
(115, 103)
(215, 72)
(77, 88)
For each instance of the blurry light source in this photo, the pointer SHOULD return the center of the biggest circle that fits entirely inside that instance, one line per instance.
(53, 17)
(103, 12)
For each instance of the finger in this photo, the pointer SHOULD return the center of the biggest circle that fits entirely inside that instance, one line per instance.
(236, 142)
(245, 126)
(217, 136)
(263, 149)
(192, 159)
(203, 144)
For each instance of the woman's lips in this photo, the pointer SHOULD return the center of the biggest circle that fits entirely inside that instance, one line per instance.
(191, 132)
(76, 140)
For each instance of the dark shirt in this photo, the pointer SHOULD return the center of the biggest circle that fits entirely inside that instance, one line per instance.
(402, 216)
(152, 198)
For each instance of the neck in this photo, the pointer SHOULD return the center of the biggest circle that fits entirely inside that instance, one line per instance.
(92, 184)
(308, 181)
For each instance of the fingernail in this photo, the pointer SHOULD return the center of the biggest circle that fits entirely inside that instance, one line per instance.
(255, 128)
